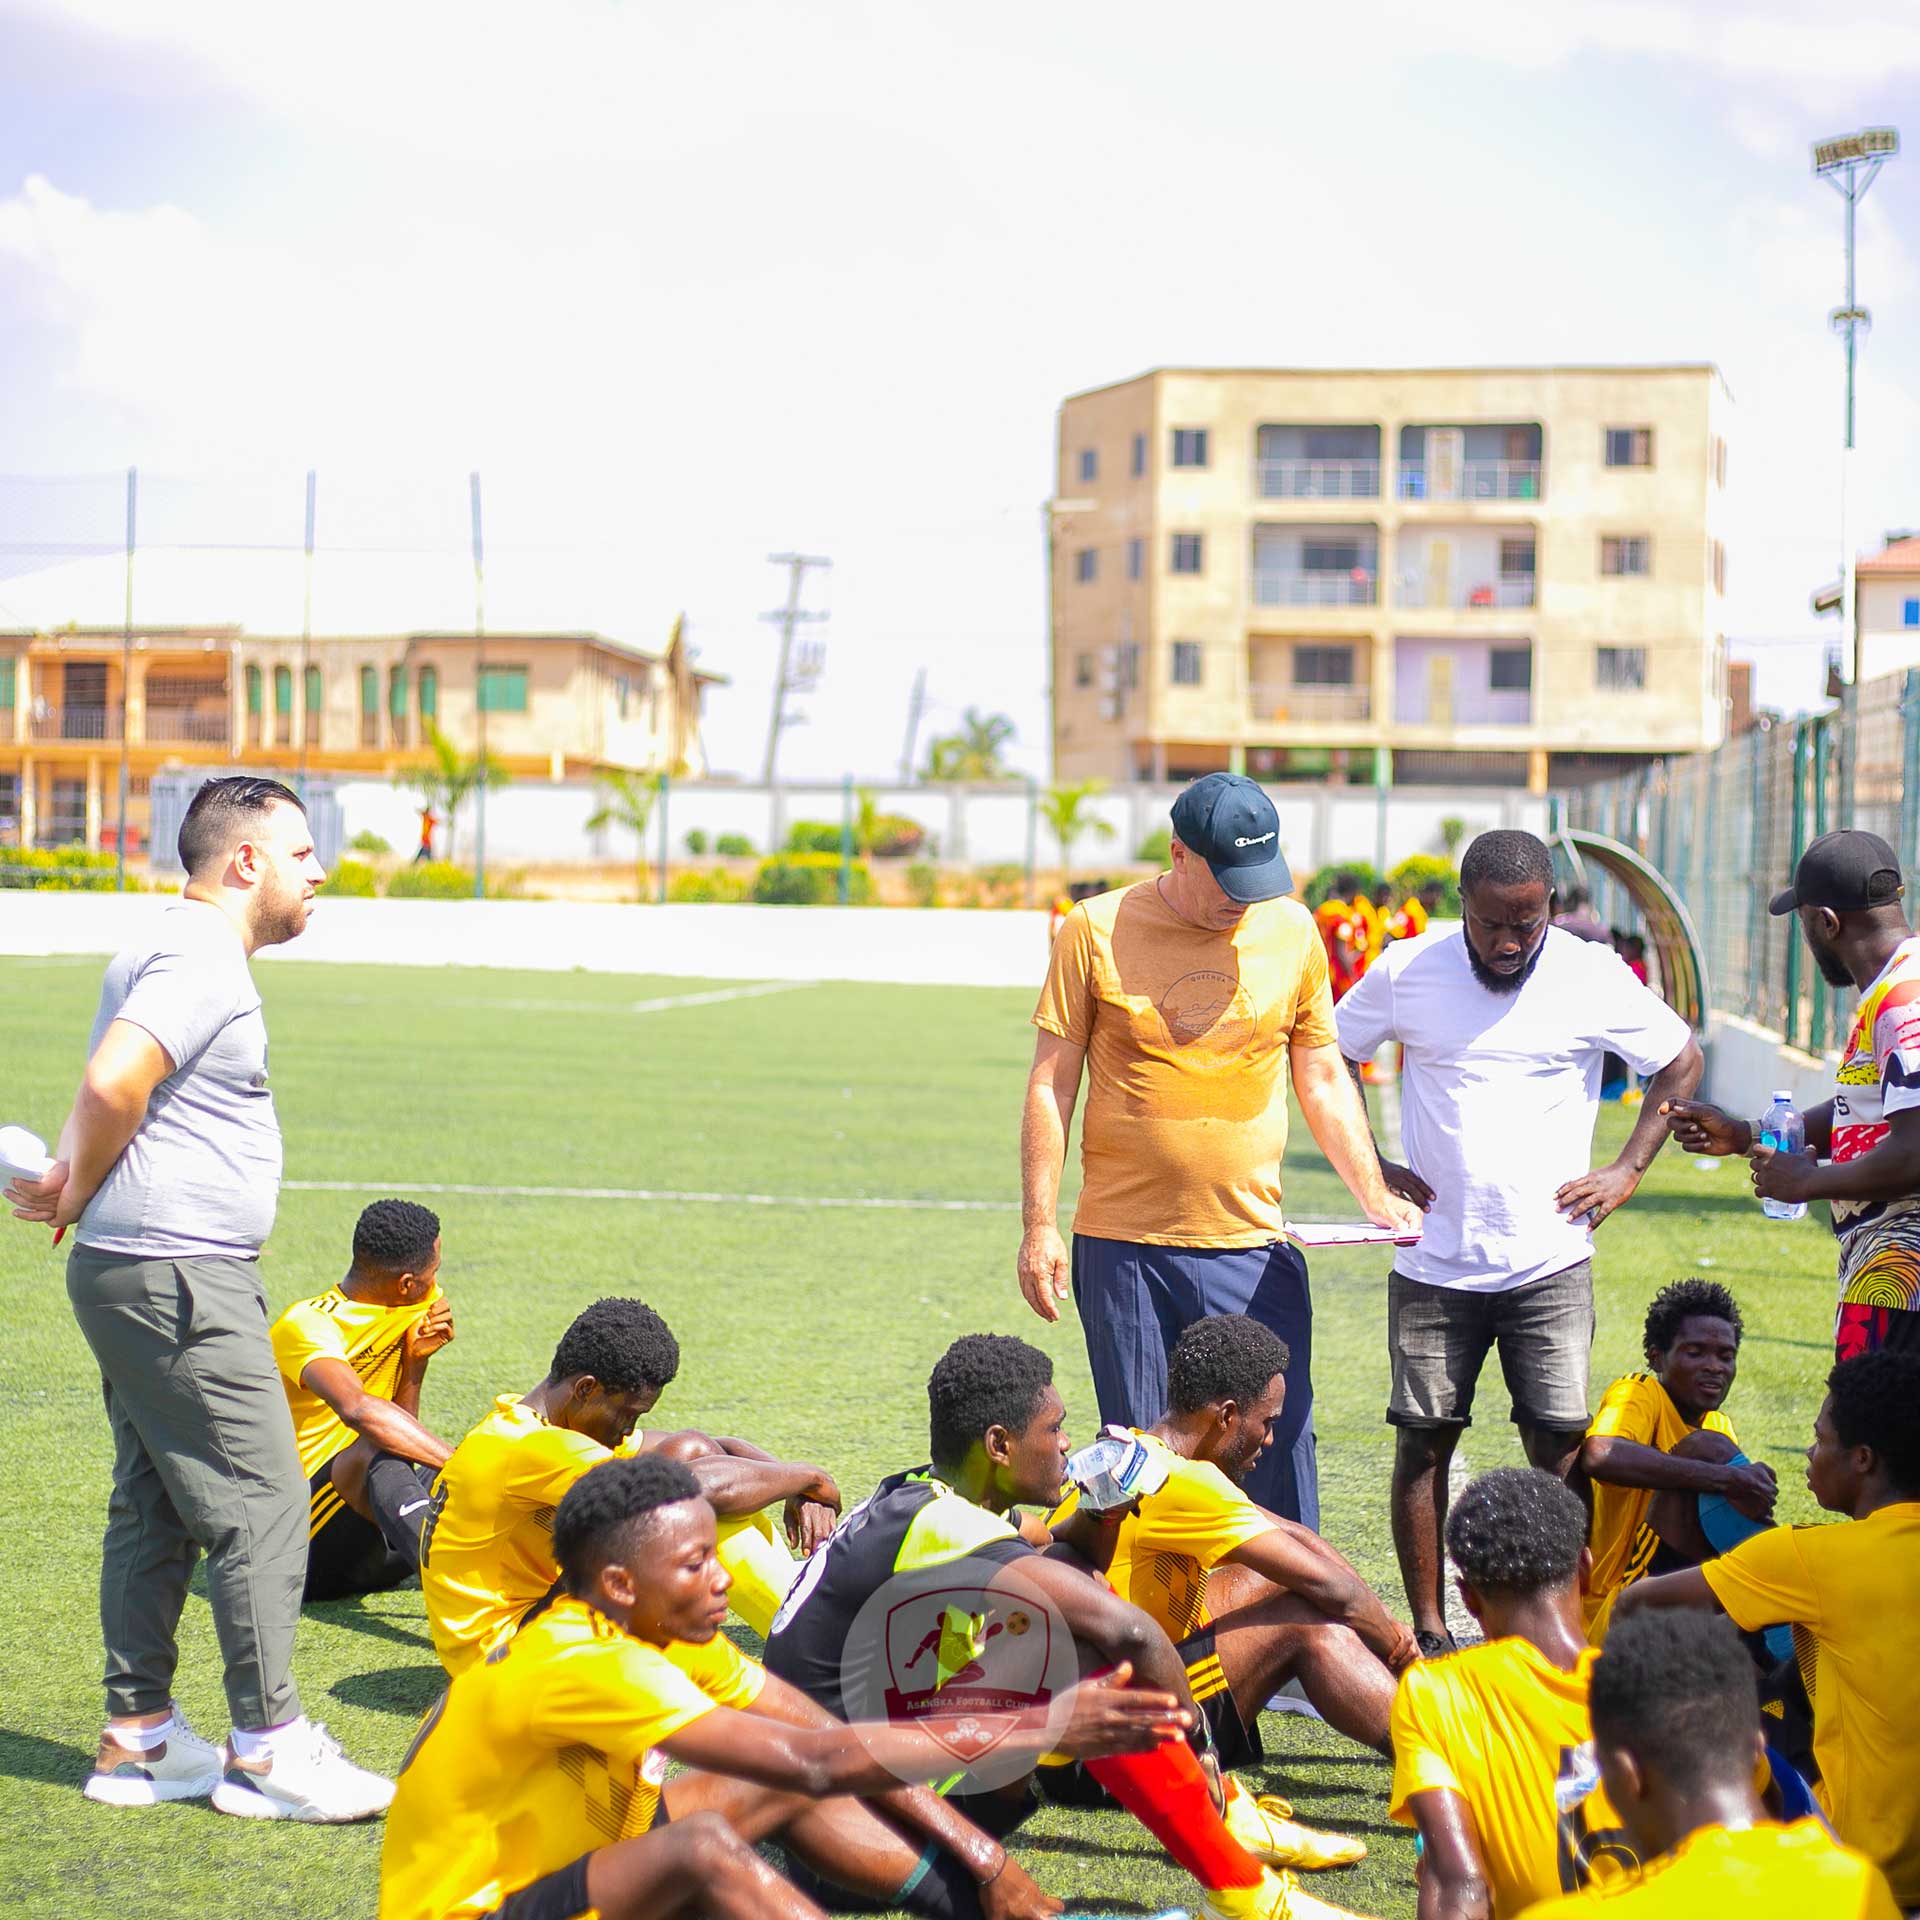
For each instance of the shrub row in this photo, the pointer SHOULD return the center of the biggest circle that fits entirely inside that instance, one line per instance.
(60, 870)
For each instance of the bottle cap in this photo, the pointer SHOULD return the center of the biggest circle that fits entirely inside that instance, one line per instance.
(1786, 1094)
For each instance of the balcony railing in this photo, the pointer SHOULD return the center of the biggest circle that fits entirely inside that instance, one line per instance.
(168, 726)
(1271, 701)
(1317, 479)
(1472, 480)
(1516, 590)
(76, 723)
(1292, 587)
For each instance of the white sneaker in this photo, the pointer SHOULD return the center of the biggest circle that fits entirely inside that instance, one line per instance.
(181, 1767)
(302, 1776)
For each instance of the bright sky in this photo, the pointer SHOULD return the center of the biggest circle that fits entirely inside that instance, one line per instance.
(694, 284)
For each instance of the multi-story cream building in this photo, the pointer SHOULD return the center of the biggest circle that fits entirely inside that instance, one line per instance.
(1494, 575)
(558, 705)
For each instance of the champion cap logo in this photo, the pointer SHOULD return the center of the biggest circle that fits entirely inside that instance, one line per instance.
(1258, 840)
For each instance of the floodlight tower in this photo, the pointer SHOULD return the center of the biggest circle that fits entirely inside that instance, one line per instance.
(1850, 163)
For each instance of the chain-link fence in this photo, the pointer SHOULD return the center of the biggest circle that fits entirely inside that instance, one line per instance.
(1726, 828)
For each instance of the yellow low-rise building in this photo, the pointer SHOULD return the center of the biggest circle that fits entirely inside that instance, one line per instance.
(1478, 576)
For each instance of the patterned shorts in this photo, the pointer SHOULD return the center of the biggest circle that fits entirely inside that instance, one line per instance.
(1879, 1288)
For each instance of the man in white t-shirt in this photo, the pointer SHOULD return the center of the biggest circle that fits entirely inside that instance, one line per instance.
(1502, 1029)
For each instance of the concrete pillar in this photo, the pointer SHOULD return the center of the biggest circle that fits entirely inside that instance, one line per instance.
(956, 847)
(236, 703)
(136, 693)
(29, 801)
(94, 809)
(22, 700)
(1536, 770)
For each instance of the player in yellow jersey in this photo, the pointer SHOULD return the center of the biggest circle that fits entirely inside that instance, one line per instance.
(1492, 1747)
(1676, 1731)
(534, 1789)
(353, 1361)
(1852, 1592)
(487, 1556)
(1661, 1460)
(1250, 1600)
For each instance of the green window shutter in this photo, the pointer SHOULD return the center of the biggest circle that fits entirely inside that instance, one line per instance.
(503, 689)
(429, 693)
(255, 692)
(283, 690)
(6, 683)
(369, 690)
(397, 692)
(315, 698)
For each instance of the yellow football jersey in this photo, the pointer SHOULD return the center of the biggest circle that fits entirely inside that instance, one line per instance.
(1797, 1870)
(1167, 1546)
(1638, 1408)
(545, 1750)
(1855, 1586)
(1507, 1730)
(371, 1339)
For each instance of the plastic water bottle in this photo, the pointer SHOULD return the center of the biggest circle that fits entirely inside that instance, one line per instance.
(1782, 1129)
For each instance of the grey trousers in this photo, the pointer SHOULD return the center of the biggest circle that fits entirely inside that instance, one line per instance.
(203, 1461)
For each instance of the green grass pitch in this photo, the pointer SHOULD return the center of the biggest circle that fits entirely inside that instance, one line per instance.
(809, 1329)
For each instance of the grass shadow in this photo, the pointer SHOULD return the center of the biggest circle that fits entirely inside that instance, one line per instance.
(404, 1690)
(355, 1618)
(26, 1756)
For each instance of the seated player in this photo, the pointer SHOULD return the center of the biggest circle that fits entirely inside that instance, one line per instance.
(997, 1424)
(1852, 1594)
(487, 1555)
(353, 1360)
(1492, 1750)
(1661, 1458)
(1676, 1732)
(533, 1790)
(1250, 1600)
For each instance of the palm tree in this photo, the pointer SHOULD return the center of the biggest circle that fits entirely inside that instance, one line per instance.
(974, 752)
(626, 800)
(453, 776)
(1068, 816)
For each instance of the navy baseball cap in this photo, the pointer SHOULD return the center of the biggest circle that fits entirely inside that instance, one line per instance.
(1231, 825)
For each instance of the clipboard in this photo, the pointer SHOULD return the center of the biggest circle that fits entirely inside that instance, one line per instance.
(1308, 1234)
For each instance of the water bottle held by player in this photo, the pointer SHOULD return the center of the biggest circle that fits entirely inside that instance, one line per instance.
(1782, 1128)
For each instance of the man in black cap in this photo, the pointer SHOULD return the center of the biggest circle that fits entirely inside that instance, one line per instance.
(1182, 999)
(1847, 891)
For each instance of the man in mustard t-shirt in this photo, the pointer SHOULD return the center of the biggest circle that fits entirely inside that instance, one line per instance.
(353, 1361)
(1852, 1593)
(487, 1557)
(1188, 1002)
(1661, 1460)
(1492, 1747)
(1676, 1731)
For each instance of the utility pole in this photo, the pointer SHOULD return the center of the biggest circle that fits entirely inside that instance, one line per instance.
(306, 636)
(480, 695)
(916, 708)
(126, 681)
(799, 671)
(1850, 164)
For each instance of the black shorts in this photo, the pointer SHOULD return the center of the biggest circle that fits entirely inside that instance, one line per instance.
(1236, 1743)
(348, 1555)
(561, 1895)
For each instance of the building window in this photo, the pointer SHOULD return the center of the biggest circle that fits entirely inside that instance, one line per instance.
(65, 824)
(1629, 446)
(9, 809)
(1510, 670)
(1323, 666)
(1910, 613)
(1329, 556)
(256, 705)
(1516, 559)
(1089, 463)
(6, 683)
(1128, 667)
(1186, 554)
(1620, 669)
(429, 694)
(1086, 565)
(1186, 663)
(1136, 558)
(313, 705)
(1625, 555)
(1083, 669)
(1189, 446)
(369, 707)
(503, 690)
(283, 706)
(1139, 455)
(397, 704)
(1717, 559)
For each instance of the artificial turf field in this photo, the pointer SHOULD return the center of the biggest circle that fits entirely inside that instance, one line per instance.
(810, 1329)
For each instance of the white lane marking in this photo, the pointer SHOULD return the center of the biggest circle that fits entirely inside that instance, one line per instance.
(1460, 1623)
(854, 1202)
(713, 997)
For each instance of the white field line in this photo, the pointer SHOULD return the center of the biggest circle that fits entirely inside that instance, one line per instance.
(846, 1202)
(713, 997)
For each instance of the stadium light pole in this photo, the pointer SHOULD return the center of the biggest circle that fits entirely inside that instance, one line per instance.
(1850, 163)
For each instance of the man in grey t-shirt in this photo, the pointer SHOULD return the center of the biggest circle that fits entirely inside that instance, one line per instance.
(169, 1171)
